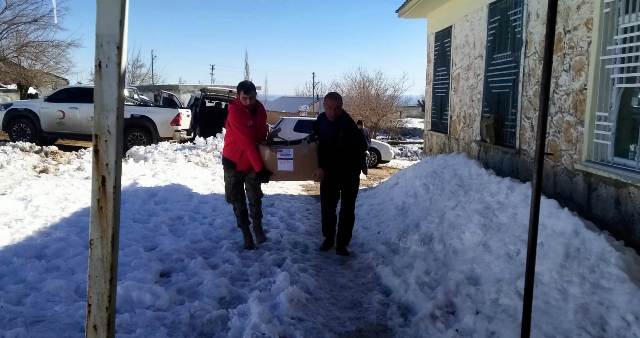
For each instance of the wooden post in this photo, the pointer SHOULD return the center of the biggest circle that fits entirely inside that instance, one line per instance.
(110, 63)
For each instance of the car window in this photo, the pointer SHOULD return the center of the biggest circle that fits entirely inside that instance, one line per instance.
(72, 95)
(60, 96)
(169, 102)
(82, 95)
(304, 126)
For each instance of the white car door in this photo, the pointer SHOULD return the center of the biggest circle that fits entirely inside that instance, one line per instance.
(56, 112)
(82, 107)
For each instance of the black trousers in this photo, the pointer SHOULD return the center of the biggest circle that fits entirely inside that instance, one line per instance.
(343, 187)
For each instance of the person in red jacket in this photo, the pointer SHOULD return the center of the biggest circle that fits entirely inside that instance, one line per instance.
(246, 126)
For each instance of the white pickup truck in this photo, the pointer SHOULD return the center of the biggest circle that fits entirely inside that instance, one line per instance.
(68, 113)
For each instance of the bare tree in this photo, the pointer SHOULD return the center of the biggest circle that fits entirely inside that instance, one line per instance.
(138, 72)
(307, 89)
(372, 97)
(31, 49)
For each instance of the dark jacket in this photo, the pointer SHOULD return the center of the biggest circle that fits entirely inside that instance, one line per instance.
(341, 147)
(367, 135)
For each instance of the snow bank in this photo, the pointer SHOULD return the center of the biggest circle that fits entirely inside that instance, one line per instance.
(410, 152)
(439, 252)
(181, 271)
(451, 241)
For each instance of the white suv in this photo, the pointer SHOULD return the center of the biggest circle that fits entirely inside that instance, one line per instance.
(68, 113)
(296, 128)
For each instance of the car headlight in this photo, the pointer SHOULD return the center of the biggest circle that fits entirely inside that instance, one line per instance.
(5, 106)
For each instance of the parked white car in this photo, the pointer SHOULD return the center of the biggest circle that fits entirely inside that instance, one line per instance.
(68, 113)
(296, 128)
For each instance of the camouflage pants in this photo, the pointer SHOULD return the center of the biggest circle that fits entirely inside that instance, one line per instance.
(235, 185)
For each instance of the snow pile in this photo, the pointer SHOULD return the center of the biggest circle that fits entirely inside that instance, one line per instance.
(182, 271)
(439, 252)
(411, 152)
(202, 152)
(451, 239)
(58, 181)
(399, 164)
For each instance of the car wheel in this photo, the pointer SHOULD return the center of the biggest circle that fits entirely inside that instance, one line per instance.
(22, 130)
(374, 158)
(136, 136)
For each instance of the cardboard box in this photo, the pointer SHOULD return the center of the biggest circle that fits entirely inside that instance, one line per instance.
(291, 161)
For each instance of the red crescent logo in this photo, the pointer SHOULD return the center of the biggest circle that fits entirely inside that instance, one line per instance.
(62, 114)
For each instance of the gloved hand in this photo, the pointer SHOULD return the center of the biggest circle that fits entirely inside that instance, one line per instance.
(264, 175)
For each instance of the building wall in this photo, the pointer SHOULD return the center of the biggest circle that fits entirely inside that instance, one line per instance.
(611, 203)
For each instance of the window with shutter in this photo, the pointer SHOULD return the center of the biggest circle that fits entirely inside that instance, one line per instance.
(616, 127)
(502, 70)
(441, 81)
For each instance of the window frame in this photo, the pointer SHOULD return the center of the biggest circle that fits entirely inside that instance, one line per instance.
(596, 95)
(490, 97)
(443, 126)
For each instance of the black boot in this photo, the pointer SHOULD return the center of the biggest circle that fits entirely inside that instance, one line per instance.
(326, 245)
(342, 251)
(248, 238)
(259, 232)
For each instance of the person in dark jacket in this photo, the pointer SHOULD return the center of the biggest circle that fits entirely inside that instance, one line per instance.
(367, 137)
(244, 170)
(365, 131)
(341, 150)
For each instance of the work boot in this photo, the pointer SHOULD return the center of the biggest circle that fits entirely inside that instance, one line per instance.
(248, 238)
(342, 251)
(326, 245)
(259, 232)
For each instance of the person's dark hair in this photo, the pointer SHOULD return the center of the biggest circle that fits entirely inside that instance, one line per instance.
(333, 96)
(246, 87)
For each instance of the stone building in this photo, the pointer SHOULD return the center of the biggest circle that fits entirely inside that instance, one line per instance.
(483, 77)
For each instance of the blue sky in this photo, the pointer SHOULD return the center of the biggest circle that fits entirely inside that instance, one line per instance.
(286, 40)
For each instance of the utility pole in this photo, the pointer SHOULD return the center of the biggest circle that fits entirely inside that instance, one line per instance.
(104, 232)
(153, 59)
(538, 173)
(313, 93)
(266, 91)
(247, 75)
(212, 73)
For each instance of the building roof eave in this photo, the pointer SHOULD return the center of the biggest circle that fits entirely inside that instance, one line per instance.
(418, 9)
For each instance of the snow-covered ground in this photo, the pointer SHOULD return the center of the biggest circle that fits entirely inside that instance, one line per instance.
(439, 252)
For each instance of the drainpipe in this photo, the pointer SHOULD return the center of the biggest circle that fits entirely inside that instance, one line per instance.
(545, 88)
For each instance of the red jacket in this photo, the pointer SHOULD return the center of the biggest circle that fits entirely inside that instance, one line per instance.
(244, 131)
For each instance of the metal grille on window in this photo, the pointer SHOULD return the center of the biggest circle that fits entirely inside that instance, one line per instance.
(616, 128)
(441, 81)
(502, 71)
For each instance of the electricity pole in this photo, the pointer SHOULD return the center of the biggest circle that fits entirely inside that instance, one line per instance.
(313, 92)
(212, 72)
(153, 59)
